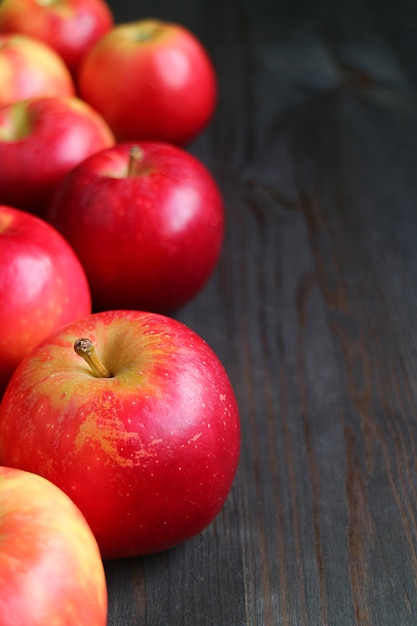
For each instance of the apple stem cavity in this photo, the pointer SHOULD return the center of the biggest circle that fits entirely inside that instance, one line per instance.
(84, 347)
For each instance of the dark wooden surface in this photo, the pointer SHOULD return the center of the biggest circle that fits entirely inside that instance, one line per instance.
(313, 310)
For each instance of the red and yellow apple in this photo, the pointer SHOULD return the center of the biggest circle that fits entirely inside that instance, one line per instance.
(51, 572)
(70, 27)
(41, 139)
(144, 436)
(150, 80)
(42, 286)
(29, 68)
(146, 221)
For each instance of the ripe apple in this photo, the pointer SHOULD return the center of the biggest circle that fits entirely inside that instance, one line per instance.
(41, 139)
(146, 221)
(29, 68)
(70, 27)
(42, 286)
(51, 570)
(165, 87)
(144, 436)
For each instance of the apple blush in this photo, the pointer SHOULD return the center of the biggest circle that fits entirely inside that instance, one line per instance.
(42, 286)
(30, 69)
(41, 139)
(166, 86)
(51, 570)
(70, 27)
(133, 416)
(147, 223)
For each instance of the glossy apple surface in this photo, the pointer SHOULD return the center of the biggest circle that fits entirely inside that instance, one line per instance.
(51, 570)
(166, 88)
(41, 139)
(42, 286)
(29, 68)
(70, 27)
(148, 231)
(148, 454)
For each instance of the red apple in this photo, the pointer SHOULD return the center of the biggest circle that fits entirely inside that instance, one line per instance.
(51, 570)
(145, 438)
(42, 286)
(70, 27)
(150, 80)
(29, 68)
(41, 139)
(146, 222)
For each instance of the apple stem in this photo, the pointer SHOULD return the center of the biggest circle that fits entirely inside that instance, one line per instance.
(84, 347)
(135, 161)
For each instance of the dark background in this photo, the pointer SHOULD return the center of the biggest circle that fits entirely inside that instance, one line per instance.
(313, 311)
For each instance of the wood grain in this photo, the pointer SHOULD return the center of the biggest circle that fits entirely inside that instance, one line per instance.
(313, 311)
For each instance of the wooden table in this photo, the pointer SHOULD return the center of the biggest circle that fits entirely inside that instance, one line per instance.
(313, 311)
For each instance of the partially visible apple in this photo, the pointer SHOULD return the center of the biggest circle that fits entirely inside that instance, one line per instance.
(150, 80)
(41, 139)
(144, 437)
(70, 27)
(51, 570)
(147, 222)
(29, 68)
(42, 286)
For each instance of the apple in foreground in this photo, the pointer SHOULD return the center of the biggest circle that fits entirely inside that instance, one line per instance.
(70, 27)
(143, 434)
(51, 571)
(166, 87)
(146, 221)
(42, 286)
(41, 139)
(29, 68)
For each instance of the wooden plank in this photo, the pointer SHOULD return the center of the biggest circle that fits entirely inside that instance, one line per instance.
(312, 310)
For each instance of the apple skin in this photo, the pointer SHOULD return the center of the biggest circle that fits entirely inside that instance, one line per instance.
(148, 455)
(147, 241)
(42, 286)
(29, 68)
(166, 87)
(51, 570)
(70, 27)
(41, 139)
